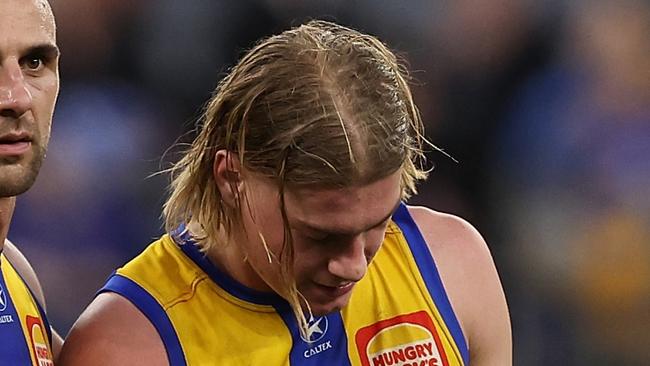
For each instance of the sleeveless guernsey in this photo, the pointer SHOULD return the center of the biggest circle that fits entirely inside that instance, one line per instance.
(398, 313)
(25, 334)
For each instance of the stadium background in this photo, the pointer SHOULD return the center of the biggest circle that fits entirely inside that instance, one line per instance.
(545, 105)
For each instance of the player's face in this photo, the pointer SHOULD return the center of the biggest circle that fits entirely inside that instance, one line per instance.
(29, 85)
(336, 233)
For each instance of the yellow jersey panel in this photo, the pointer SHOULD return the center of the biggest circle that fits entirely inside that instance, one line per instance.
(24, 330)
(398, 313)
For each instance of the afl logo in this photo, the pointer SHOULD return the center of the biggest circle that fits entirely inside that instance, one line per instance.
(316, 329)
(3, 299)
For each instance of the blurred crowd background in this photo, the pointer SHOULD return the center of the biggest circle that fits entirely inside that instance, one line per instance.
(544, 104)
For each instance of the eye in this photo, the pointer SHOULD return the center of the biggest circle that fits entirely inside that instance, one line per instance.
(319, 238)
(316, 237)
(33, 63)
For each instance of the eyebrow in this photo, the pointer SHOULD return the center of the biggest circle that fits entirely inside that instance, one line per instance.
(45, 49)
(335, 232)
(48, 50)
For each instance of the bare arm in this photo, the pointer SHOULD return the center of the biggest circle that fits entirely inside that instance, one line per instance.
(57, 344)
(114, 331)
(22, 266)
(472, 284)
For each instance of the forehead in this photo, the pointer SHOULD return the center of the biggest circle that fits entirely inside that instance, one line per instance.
(350, 209)
(25, 23)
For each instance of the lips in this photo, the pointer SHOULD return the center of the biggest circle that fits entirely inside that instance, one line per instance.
(14, 144)
(16, 136)
(334, 291)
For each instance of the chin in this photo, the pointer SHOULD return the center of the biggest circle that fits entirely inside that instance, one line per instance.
(320, 308)
(11, 188)
(324, 310)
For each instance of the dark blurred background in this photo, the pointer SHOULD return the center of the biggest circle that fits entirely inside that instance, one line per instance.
(545, 105)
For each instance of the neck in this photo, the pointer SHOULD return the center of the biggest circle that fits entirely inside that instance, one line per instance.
(7, 205)
(230, 259)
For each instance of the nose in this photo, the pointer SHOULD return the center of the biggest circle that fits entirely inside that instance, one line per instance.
(350, 263)
(15, 97)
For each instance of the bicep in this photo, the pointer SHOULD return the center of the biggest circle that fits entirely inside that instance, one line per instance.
(114, 331)
(472, 284)
(57, 343)
(491, 335)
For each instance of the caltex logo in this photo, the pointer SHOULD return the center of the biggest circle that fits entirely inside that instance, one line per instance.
(3, 299)
(316, 329)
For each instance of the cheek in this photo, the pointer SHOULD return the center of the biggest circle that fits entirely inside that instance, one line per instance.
(45, 92)
(308, 261)
(44, 96)
(374, 241)
(260, 218)
(263, 233)
(50, 95)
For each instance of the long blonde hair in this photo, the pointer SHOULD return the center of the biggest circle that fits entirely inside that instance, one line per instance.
(317, 105)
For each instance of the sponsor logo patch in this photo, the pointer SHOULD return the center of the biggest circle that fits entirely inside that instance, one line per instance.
(316, 329)
(3, 299)
(38, 338)
(405, 340)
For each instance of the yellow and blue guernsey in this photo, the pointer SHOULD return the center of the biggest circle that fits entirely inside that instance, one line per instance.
(25, 334)
(398, 313)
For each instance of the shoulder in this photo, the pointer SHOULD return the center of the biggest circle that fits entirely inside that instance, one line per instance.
(451, 237)
(470, 278)
(27, 273)
(25, 270)
(462, 258)
(443, 223)
(113, 330)
(150, 270)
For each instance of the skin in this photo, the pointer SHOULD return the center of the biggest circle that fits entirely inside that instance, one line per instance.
(29, 86)
(472, 284)
(336, 233)
(113, 330)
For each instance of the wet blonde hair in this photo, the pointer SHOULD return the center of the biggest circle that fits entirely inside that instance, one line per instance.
(318, 105)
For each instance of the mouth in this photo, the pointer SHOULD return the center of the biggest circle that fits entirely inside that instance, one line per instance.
(333, 292)
(15, 144)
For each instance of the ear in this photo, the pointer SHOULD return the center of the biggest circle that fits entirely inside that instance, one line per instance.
(227, 175)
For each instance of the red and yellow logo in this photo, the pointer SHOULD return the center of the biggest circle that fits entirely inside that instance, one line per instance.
(40, 349)
(405, 340)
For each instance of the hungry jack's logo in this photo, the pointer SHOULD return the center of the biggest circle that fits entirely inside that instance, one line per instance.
(405, 340)
(41, 351)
